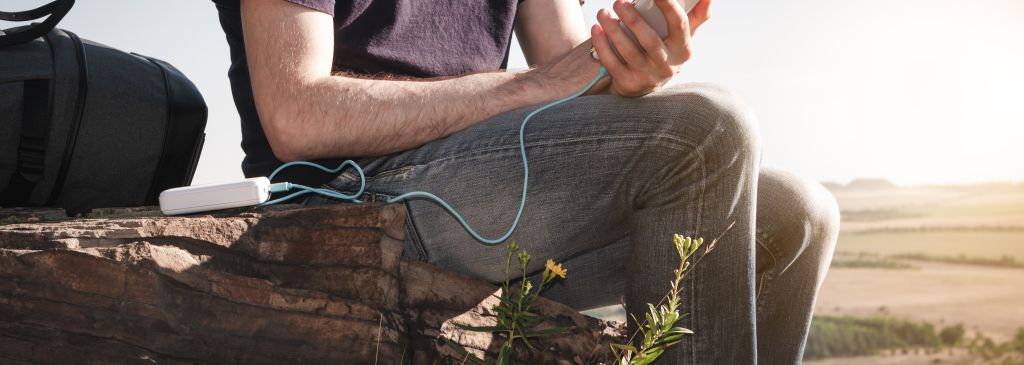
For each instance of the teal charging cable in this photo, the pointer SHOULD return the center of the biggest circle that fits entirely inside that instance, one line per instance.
(286, 186)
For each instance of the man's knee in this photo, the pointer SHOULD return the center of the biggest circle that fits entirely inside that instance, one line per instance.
(802, 216)
(694, 135)
(715, 120)
(821, 211)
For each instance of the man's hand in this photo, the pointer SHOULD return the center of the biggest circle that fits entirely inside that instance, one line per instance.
(646, 66)
(569, 73)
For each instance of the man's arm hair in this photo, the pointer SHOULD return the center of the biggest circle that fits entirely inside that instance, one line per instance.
(307, 113)
(547, 29)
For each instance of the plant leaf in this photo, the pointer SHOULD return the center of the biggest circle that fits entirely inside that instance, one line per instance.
(545, 332)
(505, 357)
(465, 354)
(621, 346)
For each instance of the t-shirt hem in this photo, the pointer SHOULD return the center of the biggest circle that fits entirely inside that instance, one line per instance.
(324, 6)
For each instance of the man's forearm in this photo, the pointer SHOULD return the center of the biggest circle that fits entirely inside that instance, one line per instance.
(306, 113)
(344, 116)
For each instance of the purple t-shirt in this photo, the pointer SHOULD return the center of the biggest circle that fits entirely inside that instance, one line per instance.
(418, 38)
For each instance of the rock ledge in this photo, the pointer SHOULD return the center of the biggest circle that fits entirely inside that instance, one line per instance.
(299, 285)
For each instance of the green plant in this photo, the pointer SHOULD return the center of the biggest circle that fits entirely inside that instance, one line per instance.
(851, 336)
(1007, 353)
(515, 319)
(952, 335)
(1004, 261)
(983, 347)
(659, 328)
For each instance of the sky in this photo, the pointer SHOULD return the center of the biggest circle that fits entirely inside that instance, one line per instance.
(914, 91)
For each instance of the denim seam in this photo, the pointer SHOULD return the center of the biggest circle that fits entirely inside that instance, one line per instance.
(411, 230)
(353, 177)
(331, 188)
(391, 173)
(762, 239)
(702, 162)
(767, 277)
(564, 141)
(414, 235)
(699, 217)
(695, 292)
(350, 176)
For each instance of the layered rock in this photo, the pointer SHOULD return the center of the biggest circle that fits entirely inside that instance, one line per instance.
(298, 285)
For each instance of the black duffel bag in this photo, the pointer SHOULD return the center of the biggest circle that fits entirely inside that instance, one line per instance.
(84, 125)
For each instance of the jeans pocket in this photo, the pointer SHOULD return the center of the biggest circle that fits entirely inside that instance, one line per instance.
(348, 183)
(414, 247)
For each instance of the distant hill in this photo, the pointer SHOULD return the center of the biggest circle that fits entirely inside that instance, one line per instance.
(884, 184)
(832, 185)
(862, 184)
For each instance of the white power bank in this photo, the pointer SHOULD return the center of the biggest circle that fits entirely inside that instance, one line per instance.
(203, 198)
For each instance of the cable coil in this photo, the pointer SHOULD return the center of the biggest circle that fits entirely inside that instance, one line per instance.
(354, 197)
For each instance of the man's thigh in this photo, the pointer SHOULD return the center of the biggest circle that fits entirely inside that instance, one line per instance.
(589, 162)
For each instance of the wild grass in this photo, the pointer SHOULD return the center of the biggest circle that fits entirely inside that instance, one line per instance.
(516, 321)
(1005, 261)
(1007, 353)
(658, 331)
(865, 260)
(978, 244)
(903, 261)
(851, 336)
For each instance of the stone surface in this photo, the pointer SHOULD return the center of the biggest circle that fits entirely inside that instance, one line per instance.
(297, 285)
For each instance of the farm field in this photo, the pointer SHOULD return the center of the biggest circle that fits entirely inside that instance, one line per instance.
(941, 255)
(943, 357)
(969, 245)
(990, 300)
(961, 243)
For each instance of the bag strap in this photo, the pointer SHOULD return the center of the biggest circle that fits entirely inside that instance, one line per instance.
(177, 164)
(36, 108)
(56, 11)
(76, 119)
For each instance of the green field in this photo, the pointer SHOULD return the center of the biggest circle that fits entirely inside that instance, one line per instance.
(971, 244)
(964, 235)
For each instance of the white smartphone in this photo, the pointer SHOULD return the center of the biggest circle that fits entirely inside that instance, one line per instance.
(652, 14)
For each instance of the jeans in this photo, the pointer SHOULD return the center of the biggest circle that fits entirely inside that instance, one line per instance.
(611, 180)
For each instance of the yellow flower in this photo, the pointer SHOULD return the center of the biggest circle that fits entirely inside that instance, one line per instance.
(556, 269)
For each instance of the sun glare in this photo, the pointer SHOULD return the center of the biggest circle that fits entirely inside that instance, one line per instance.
(915, 91)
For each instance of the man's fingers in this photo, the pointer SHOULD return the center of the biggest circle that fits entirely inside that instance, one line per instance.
(647, 36)
(604, 52)
(628, 49)
(678, 41)
(675, 19)
(700, 14)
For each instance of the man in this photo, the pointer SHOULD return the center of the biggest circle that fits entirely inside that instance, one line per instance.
(415, 92)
